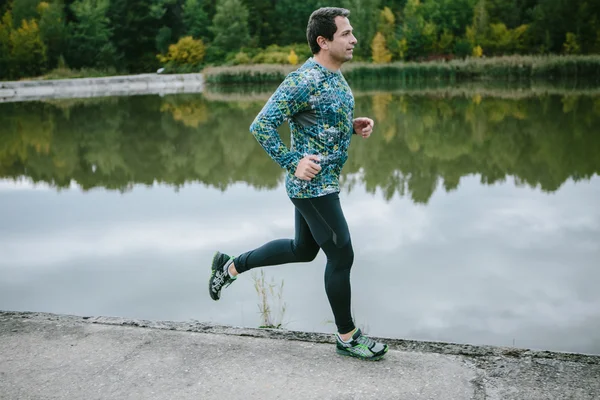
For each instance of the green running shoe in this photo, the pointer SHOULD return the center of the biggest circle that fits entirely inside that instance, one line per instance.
(361, 347)
(219, 276)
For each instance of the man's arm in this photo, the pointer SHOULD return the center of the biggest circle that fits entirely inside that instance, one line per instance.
(290, 98)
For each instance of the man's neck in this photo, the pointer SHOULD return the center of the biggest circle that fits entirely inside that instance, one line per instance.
(324, 60)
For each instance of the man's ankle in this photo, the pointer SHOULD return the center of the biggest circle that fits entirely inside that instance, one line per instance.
(346, 336)
(232, 270)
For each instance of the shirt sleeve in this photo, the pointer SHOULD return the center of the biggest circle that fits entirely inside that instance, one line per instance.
(291, 97)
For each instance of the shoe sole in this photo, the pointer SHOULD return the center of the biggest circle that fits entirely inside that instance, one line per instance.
(212, 272)
(350, 354)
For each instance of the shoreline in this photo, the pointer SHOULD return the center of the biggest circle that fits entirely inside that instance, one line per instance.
(510, 70)
(149, 84)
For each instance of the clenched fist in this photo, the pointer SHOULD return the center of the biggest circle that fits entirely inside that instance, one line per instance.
(308, 167)
(363, 126)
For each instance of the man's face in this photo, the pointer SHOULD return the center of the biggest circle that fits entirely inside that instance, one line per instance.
(340, 48)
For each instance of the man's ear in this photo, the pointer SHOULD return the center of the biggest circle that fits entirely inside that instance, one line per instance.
(322, 42)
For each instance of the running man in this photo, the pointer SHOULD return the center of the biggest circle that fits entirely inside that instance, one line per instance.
(318, 105)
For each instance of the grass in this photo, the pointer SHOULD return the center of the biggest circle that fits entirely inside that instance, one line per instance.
(507, 68)
(512, 68)
(262, 73)
(468, 88)
(271, 315)
(68, 73)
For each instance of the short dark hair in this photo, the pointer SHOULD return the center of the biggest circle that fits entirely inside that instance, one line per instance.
(322, 23)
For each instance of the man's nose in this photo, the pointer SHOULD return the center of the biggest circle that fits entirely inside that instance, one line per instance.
(353, 40)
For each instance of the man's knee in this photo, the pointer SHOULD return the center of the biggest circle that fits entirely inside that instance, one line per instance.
(347, 255)
(341, 257)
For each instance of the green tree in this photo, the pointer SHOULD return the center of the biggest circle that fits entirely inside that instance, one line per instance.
(196, 20)
(445, 43)
(412, 29)
(28, 51)
(478, 31)
(135, 25)
(261, 26)
(24, 10)
(498, 40)
(169, 14)
(512, 13)
(553, 19)
(53, 29)
(429, 37)
(6, 27)
(230, 25)
(164, 38)
(387, 27)
(588, 15)
(571, 46)
(520, 37)
(290, 20)
(89, 42)
(364, 16)
(449, 15)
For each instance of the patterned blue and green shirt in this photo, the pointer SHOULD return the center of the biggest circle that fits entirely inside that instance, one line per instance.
(319, 107)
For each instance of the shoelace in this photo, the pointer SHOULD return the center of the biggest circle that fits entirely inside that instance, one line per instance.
(370, 343)
(219, 280)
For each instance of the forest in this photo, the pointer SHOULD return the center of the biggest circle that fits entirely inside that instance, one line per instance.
(104, 37)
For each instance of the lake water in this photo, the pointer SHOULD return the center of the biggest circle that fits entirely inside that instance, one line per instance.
(474, 212)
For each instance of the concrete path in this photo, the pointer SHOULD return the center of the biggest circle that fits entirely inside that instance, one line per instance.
(123, 85)
(46, 356)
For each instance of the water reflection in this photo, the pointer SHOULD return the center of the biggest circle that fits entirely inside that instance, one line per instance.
(473, 212)
(114, 143)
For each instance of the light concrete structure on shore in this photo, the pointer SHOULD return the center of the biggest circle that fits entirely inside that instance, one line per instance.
(97, 87)
(47, 356)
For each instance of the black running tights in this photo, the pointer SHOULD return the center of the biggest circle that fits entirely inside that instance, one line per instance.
(320, 223)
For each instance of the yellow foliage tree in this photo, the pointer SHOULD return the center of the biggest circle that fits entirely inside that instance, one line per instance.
(191, 114)
(28, 52)
(477, 51)
(293, 57)
(381, 104)
(380, 53)
(387, 16)
(187, 51)
(43, 6)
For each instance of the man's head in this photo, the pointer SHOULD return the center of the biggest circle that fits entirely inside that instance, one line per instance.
(329, 30)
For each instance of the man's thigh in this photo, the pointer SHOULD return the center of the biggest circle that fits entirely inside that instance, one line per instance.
(325, 219)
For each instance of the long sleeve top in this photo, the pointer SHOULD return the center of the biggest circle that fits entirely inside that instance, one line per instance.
(319, 107)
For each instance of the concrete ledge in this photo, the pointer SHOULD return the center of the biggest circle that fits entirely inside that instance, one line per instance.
(48, 356)
(97, 87)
